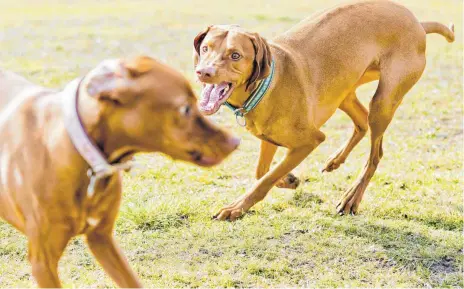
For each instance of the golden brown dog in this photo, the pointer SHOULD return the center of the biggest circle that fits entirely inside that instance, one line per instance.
(319, 63)
(125, 107)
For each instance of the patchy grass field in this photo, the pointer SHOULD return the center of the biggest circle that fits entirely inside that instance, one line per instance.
(408, 232)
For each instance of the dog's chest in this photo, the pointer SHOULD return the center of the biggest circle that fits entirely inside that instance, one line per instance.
(93, 221)
(87, 220)
(263, 133)
(254, 127)
(90, 218)
(98, 209)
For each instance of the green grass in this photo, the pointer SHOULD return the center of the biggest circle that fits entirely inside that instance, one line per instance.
(408, 232)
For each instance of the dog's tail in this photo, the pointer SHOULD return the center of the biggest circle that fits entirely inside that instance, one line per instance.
(435, 27)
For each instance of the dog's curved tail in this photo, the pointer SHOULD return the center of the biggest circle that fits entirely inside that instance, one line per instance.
(435, 27)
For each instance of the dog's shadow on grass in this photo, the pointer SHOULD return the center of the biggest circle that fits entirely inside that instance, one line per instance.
(430, 257)
(407, 249)
(436, 222)
(303, 199)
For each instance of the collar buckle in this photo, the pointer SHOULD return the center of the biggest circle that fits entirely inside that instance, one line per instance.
(96, 175)
(241, 120)
(240, 116)
(241, 111)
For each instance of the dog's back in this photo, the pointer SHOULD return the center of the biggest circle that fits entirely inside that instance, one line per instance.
(11, 86)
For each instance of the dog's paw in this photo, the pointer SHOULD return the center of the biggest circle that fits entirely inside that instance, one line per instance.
(231, 212)
(332, 164)
(350, 201)
(288, 182)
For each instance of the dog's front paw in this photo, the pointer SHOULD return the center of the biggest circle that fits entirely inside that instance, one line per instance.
(288, 182)
(231, 212)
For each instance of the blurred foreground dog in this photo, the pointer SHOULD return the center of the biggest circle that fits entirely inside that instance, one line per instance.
(61, 153)
(285, 90)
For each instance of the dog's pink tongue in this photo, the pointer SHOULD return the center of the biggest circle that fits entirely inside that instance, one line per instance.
(206, 95)
(211, 97)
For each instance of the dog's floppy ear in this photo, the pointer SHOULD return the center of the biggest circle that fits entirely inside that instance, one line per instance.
(263, 59)
(113, 80)
(197, 44)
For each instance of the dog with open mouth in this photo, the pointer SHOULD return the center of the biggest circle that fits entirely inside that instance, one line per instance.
(285, 90)
(62, 153)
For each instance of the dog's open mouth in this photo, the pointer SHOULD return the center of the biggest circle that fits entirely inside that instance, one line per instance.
(214, 95)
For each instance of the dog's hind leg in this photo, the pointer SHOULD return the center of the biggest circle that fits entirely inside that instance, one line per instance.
(358, 114)
(397, 76)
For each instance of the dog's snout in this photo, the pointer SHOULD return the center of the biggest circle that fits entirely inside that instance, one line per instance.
(206, 72)
(232, 143)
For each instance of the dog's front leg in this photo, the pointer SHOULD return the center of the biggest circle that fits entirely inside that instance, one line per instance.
(108, 254)
(46, 245)
(293, 158)
(266, 154)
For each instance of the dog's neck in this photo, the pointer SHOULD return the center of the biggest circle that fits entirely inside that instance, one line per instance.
(92, 115)
(241, 94)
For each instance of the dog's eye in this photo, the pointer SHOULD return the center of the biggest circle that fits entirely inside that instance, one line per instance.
(185, 110)
(235, 56)
(204, 48)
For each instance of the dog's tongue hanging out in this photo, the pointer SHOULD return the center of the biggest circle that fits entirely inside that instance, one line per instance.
(213, 96)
